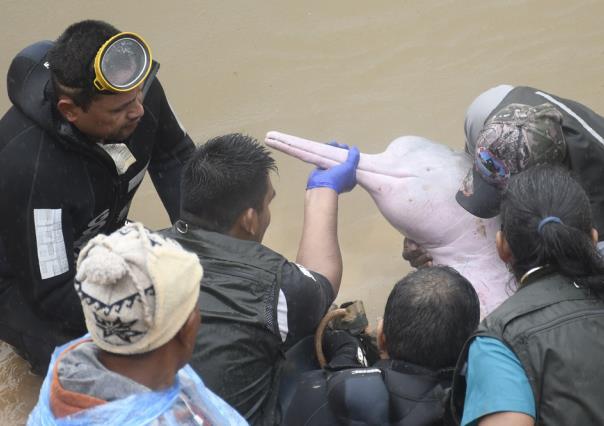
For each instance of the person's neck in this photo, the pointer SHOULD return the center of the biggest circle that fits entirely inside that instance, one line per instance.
(70, 129)
(241, 234)
(143, 369)
(534, 273)
(188, 220)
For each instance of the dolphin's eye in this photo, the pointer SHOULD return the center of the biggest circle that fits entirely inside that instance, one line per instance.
(492, 169)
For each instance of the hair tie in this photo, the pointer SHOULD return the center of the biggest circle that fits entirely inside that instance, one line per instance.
(547, 220)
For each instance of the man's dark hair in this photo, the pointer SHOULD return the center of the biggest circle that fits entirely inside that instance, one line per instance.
(428, 317)
(535, 194)
(71, 60)
(223, 178)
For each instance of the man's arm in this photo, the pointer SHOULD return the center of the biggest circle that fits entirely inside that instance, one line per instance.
(172, 150)
(498, 391)
(37, 234)
(507, 419)
(319, 249)
(304, 298)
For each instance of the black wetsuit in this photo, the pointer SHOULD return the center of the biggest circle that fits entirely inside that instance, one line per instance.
(58, 189)
(391, 393)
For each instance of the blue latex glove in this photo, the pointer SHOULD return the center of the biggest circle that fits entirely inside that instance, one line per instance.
(340, 178)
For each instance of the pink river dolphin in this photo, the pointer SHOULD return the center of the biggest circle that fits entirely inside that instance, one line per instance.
(413, 183)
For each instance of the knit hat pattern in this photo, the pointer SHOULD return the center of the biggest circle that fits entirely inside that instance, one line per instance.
(137, 289)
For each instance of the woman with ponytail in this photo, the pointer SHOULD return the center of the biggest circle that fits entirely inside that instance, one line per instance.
(537, 358)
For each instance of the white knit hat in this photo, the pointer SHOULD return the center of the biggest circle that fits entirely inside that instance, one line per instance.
(137, 289)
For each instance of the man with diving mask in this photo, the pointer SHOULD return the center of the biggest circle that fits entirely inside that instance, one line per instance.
(88, 120)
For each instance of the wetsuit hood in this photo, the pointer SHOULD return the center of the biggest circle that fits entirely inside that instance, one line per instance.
(28, 84)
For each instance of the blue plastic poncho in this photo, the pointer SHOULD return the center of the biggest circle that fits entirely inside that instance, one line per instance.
(187, 402)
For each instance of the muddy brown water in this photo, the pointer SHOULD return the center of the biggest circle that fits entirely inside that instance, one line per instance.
(359, 72)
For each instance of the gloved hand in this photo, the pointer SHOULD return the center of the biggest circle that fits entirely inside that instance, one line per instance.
(342, 350)
(340, 178)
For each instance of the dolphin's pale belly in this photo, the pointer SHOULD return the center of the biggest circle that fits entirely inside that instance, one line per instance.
(491, 280)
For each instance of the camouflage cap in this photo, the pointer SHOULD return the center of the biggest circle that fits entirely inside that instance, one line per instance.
(514, 139)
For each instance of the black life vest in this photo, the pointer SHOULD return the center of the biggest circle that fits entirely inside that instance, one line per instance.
(239, 350)
(390, 393)
(555, 330)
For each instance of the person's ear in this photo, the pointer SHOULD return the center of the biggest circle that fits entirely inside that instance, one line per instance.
(503, 248)
(68, 109)
(188, 332)
(249, 222)
(594, 236)
(381, 340)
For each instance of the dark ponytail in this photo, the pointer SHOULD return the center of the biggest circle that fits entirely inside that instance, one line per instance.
(566, 245)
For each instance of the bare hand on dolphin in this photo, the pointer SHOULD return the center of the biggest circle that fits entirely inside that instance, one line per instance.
(415, 254)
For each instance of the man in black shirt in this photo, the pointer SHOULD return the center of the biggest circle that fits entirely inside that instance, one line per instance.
(74, 148)
(255, 304)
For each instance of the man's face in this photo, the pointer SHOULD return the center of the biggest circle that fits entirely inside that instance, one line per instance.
(110, 117)
(264, 214)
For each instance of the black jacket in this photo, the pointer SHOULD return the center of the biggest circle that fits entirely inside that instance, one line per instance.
(238, 352)
(58, 189)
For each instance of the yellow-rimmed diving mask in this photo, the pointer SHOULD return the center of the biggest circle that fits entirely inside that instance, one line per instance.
(122, 63)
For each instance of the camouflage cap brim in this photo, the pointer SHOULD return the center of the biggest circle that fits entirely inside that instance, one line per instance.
(479, 197)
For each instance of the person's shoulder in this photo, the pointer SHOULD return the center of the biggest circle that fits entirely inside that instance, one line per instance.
(489, 345)
(17, 129)
(24, 147)
(487, 353)
(496, 381)
(299, 271)
(301, 283)
(169, 232)
(302, 269)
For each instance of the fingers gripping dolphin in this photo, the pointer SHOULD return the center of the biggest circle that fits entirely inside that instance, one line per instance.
(413, 184)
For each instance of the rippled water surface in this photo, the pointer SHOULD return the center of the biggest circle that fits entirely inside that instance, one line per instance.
(359, 72)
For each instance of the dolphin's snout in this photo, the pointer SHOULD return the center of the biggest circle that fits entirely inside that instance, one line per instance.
(324, 155)
(316, 153)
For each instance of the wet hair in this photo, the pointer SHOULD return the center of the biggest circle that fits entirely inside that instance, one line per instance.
(428, 317)
(223, 178)
(535, 194)
(71, 60)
